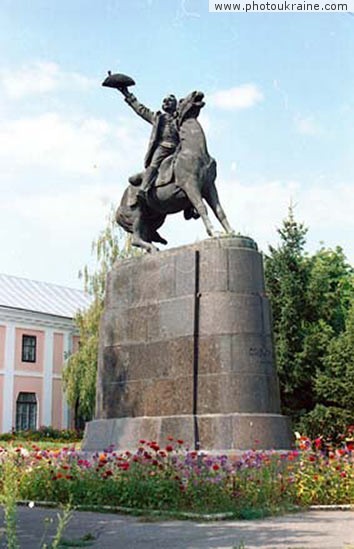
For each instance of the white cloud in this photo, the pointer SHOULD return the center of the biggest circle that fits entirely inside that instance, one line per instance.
(63, 213)
(240, 97)
(47, 235)
(41, 78)
(306, 125)
(70, 145)
(256, 210)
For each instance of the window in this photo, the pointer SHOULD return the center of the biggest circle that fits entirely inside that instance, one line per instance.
(26, 412)
(29, 347)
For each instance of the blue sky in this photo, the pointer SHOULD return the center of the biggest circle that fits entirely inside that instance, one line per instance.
(278, 118)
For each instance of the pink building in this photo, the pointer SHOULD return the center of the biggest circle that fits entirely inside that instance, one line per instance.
(37, 333)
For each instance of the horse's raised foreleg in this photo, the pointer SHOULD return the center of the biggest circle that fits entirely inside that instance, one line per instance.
(193, 193)
(210, 194)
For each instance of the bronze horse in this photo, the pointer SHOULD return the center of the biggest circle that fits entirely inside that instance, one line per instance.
(193, 179)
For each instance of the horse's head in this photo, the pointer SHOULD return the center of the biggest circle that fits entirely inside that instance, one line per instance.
(189, 106)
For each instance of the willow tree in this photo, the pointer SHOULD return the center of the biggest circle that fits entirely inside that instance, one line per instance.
(79, 376)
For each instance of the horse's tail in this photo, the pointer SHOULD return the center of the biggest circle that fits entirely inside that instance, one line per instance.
(123, 215)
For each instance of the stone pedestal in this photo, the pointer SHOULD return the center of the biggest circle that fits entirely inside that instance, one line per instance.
(186, 351)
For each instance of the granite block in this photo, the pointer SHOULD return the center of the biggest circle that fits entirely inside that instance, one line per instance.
(165, 351)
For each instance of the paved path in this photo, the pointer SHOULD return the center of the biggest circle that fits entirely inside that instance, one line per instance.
(310, 530)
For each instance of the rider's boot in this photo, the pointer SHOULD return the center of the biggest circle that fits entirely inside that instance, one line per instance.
(147, 182)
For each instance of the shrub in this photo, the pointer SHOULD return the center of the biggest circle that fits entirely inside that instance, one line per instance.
(46, 433)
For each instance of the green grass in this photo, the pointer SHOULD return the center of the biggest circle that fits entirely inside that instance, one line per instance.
(41, 444)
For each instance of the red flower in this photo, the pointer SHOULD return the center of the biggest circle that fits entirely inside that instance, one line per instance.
(180, 441)
(312, 458)
(142, 441)
(318, 443)
(350, 445)
(343, 474)
(169, 448)
(216, 467)
(170, 438)
(154, 446)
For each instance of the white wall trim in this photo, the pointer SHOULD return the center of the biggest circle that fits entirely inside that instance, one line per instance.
(68, 343)
(9, 368)
(24, 319)
(23, 373)
(48, 376)
(13, 319)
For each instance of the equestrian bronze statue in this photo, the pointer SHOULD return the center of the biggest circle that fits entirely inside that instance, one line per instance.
(179, 172)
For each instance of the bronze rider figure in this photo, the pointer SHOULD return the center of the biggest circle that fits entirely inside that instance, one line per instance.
(164, 137)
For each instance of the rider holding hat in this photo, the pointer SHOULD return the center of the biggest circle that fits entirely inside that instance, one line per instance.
(164, 136)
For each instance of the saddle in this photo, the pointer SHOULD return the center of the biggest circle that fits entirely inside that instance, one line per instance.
(164, 176)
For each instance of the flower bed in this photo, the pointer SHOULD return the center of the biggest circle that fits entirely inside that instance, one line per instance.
(174, 478)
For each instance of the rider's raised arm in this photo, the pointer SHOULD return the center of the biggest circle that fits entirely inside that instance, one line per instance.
(139, 108)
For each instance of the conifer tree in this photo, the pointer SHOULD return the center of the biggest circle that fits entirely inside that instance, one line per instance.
(287, 274)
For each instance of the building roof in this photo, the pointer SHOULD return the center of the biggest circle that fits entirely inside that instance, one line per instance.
(41, 297)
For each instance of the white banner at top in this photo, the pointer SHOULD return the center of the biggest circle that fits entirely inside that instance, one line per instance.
(281, 6)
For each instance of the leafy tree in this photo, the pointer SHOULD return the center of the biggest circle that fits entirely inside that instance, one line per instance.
(79, 375)
(334, 387)
(329, 293)
(330, 289)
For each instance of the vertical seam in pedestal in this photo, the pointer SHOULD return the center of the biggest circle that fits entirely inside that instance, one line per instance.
(196, 347)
